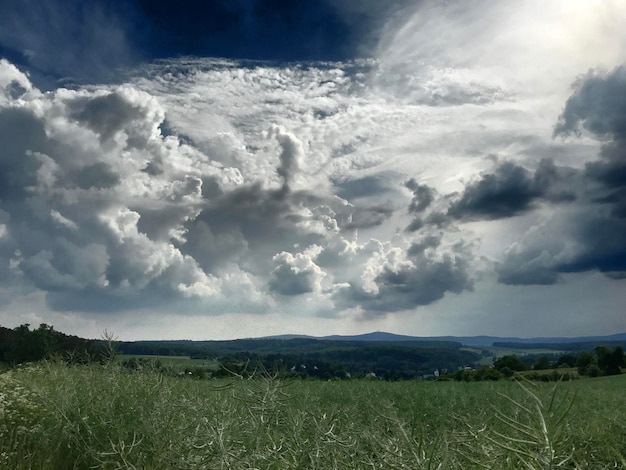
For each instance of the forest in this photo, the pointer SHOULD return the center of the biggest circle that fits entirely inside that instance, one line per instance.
(310, 358)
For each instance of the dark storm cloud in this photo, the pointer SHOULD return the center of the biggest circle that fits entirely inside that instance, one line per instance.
(592, 236)
(507, 192)
(511, 190)
(587, 239)
(434, 219)
(427, 207)
(597, 105)
(418, 247)
(423, 196)
(603, 247)
(611, 168)
(530, 265)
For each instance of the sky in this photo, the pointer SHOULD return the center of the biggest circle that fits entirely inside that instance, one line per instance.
(245, 168)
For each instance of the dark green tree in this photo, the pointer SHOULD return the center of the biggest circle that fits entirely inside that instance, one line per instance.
(542, 363)
(22, 347)
(566, 360)
(47, 340)
(610, 361)
(586, 364)
(511, 362)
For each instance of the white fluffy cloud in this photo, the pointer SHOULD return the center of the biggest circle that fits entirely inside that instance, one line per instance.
(112, 204)
(80, 171)
(295, 275)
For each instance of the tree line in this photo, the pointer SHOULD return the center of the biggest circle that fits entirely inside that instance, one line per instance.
(23, 344)
(314, 358)
(602, 360)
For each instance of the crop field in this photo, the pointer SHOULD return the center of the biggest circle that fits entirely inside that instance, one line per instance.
(496, 352)
(56, 416)
(178, 363)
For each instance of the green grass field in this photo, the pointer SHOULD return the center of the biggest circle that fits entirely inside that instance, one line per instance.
(176, 363)
(54, 416)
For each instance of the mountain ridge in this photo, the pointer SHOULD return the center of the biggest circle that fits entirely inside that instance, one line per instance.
(479, 340)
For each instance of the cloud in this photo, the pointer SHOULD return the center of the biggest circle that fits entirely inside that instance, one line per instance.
(74, 192)
(367, 186)
(509, 191)
(396, 279)
(296, 275)
(364, 217)
(21, 131)
(96, 41)
(452, 53)
(105, 115)
(597, 105)
(579, 240)
(291, 155)
(422, 196)
(589, 236)
(361, 193)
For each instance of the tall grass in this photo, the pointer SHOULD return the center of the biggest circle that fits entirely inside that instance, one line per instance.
(55, 416)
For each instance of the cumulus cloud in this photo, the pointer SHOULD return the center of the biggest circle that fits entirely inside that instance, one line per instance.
(428, 209)
(422, 196)
(93, 41)
(576, 241)
(74, 192)
(295, 275)
(597, 105)
(105, 211)
(291, 155)
(395, 278)
(591, 235)
(509, 191)
(221, 186)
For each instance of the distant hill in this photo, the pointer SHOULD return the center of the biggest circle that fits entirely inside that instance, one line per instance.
(377, 336)
(380, 354)
(477, 341)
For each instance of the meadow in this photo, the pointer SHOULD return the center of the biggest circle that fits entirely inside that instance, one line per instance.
(178, 363)
(54, 415)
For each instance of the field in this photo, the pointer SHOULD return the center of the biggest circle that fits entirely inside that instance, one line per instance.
(56, 416)
(177, 363)
(488, 353)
